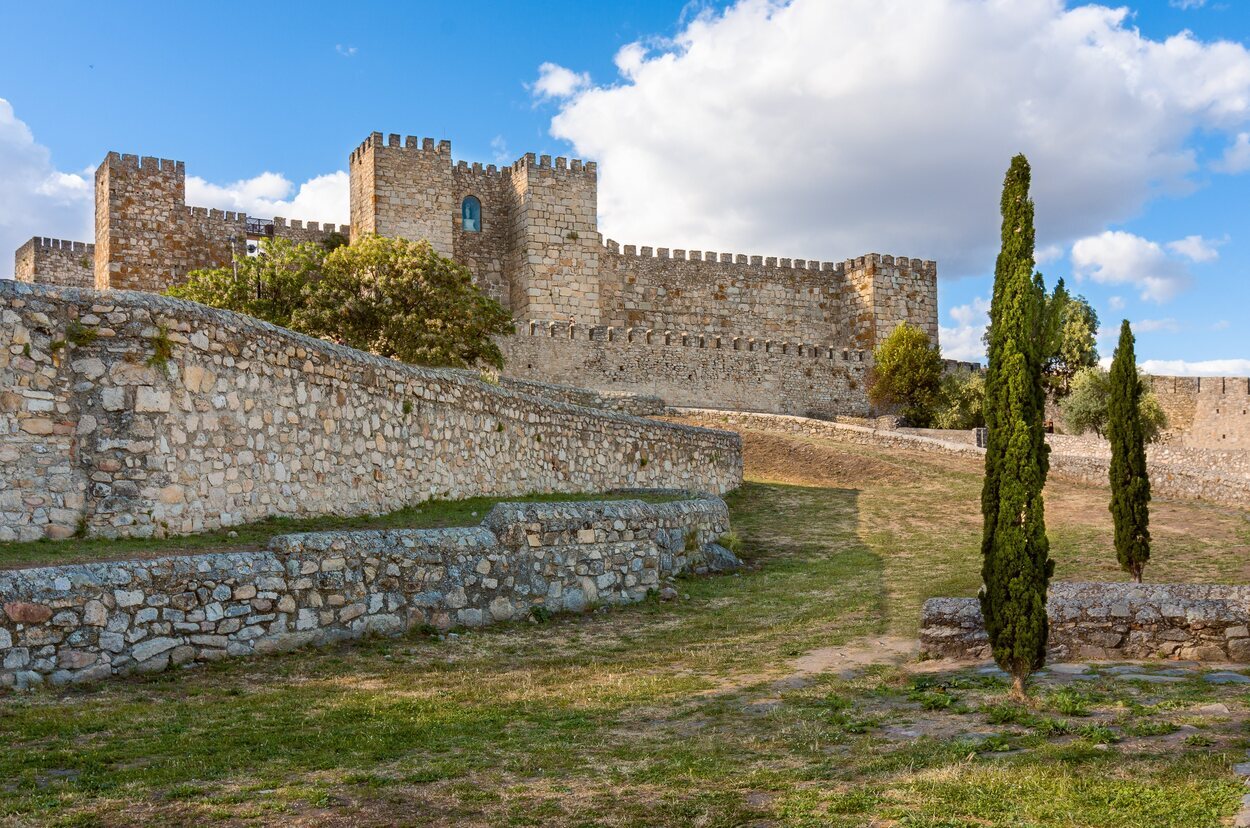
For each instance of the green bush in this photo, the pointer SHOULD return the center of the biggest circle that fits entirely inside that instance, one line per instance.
(1086, 406)
(962, 401)
(907, 375)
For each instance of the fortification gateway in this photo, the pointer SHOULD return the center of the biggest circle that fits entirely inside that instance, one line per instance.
(707, 328)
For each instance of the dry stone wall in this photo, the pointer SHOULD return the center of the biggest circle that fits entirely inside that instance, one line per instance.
(1206, 412)
(1110, 621)
(88, 622)
(1194, 476)
(131, 414)
(738, 373)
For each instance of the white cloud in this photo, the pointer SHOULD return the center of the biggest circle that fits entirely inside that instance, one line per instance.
(1221, 325)
(1201, 368)
(1116, 302)
(1115, 257)
(555, 81)
(1237, 156)
(818, 129)
(499, 151)
(1048, 253)
(964, 340)
(1168, 325)
(321, 199)
(1187, 4)
(345, 51)
(36, 199)
(1197, 249)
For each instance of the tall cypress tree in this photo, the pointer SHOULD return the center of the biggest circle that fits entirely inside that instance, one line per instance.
(1130, 483)
(1016, 568)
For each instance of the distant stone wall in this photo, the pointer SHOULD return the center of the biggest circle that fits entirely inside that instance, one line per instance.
(639, 405)
(1194, 475)
(132, 414)
(1110, 621)
(738, 373)
(55, 262)
(88, 622)
(857, 302)
(1206, 412)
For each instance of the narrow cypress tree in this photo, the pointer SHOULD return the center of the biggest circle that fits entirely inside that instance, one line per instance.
(1016, 568)
(1130, 482)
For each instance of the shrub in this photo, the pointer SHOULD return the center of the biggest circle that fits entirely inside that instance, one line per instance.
(907, 374)
(962, 401)
(1086, 406)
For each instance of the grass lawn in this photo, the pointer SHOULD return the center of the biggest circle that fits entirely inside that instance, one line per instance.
(781, 696)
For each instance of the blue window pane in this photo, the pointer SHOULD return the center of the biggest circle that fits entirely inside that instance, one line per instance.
(471, 214)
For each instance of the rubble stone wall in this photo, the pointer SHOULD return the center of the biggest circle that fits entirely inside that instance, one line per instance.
(55, 262)
(132, 414)
(92, 621)
(1110, 621)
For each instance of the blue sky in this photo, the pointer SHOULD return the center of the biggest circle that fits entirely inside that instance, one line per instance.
(810, 129)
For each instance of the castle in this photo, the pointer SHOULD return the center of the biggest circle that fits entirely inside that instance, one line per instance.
(791, 335)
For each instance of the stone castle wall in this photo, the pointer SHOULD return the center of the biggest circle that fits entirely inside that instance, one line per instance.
(736, 373)
(1109, 622)
(131, 414)
(88, 622)
(1206, 412)
(55, 262)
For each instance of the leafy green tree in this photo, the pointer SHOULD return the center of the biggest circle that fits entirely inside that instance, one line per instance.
(1071, 330)
(1130, 481)
(1016, 567)
(271, 286)
(1086, 408)
(400, 299)
(907, 374)
(393, 297)
(962, 401)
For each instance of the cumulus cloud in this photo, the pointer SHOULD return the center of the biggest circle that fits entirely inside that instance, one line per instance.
(1201, 368)
(345, 51)
(1237, 157)
(1116, 302)
(1196, 248)
(963, 340)
(1187, 4)
(1115, 257)
(321, 199)
(36, 199)
(817, 129)
(555, 81)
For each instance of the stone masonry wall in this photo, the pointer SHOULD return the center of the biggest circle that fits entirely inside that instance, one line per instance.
(56, 262)
(738, 373)
(403, 189)
(1193, 476)
(1110, 621)
(852, 303)
(1206, 412)
(131, 414)
(92, 621)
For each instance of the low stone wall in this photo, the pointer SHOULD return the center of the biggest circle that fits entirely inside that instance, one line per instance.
(1108, 622)
(637, 405)
(88, 622)
(133, 414)
(1193, 474)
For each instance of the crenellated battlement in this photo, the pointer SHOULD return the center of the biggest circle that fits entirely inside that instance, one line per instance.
(280, 224)
(146, 164)
(683, 339)
(407, 143)
(559, 166)
(869, 262)
(64, 245)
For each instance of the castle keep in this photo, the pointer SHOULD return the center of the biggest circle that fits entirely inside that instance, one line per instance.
(713, 328)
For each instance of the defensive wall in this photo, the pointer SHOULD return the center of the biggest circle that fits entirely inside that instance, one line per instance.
(55, 262)
(88, 622)
(693, 369)
(133, 414)
(1206, 412)
(1109, 622)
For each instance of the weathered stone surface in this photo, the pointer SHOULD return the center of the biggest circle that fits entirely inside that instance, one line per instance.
(121, 446)
(1178, 621)
(344, 585)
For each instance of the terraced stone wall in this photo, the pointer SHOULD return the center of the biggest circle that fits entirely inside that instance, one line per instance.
(89, 622)
(133, 414)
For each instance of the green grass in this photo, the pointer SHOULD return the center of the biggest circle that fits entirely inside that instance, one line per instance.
(678, 713)
(430, 514)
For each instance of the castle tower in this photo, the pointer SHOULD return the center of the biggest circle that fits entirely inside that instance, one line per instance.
(147, 238)
(403, 190)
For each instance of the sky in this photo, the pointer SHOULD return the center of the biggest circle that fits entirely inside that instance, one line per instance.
(813, 129)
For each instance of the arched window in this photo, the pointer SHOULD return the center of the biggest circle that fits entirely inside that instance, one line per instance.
(471, 214)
